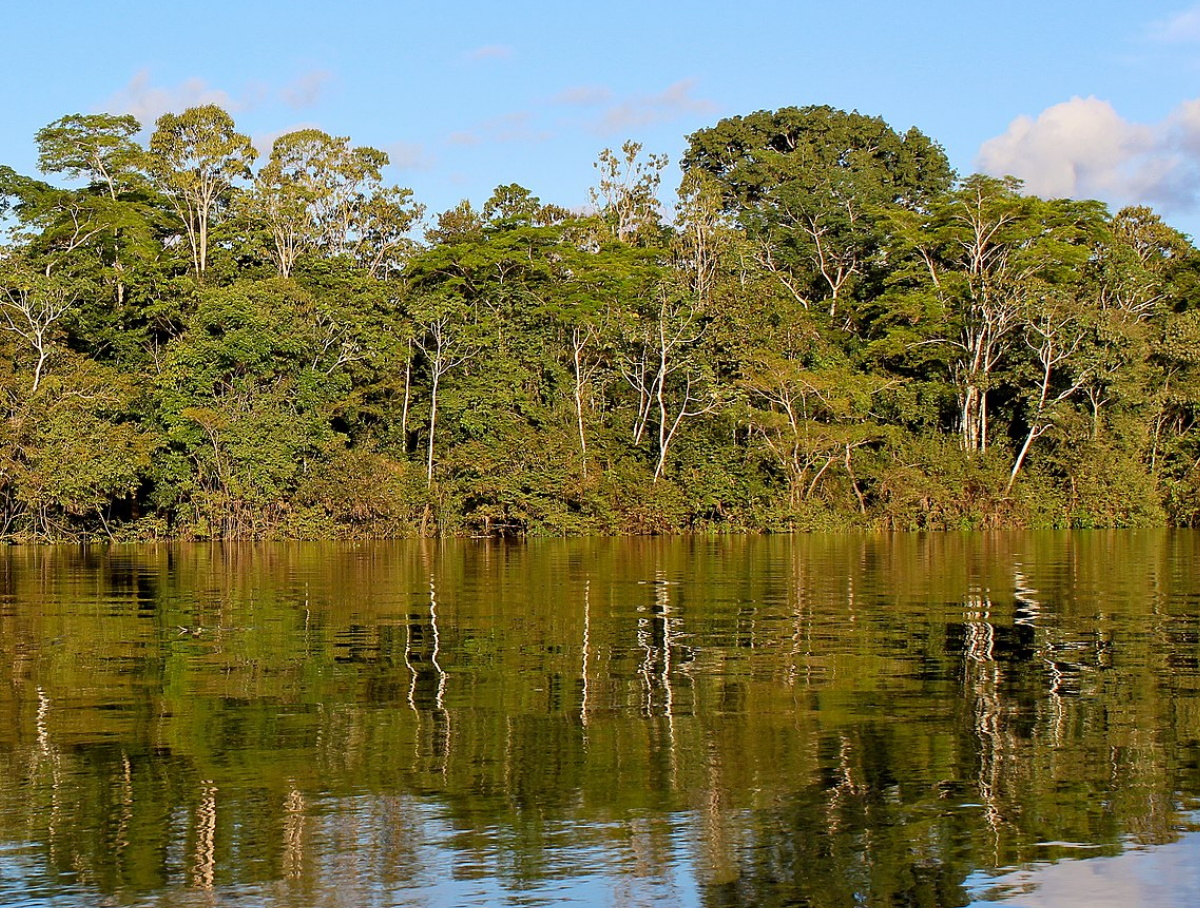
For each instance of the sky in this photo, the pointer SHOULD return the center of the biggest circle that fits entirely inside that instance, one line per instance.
(1097, 99)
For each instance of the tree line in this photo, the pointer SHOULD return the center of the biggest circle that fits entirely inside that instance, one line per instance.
(826, 328)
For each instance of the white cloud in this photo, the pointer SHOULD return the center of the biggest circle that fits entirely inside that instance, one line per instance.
(409, 156)
(1083, 148)
(583, 96)
(305, 90)
(148, 102)
(646, 110)
(518, 126)
(1184, 124)
(1182, 28)
(489, 52)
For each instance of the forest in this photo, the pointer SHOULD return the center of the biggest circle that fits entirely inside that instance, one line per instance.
(827, 328)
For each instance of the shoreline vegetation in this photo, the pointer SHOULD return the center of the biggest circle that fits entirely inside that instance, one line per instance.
(826, 329)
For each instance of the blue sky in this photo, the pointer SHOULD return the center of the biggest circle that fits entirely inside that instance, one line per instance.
(1091, 99)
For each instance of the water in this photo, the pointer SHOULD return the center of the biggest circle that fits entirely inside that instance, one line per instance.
(921, 720)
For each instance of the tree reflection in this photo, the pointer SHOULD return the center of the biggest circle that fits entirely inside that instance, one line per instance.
(818, 721)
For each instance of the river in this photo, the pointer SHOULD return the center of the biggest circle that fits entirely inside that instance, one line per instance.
(926, 720)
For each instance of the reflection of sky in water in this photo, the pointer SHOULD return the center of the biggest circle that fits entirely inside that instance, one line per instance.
(581, 870)
(440, 870)
(1164, 876)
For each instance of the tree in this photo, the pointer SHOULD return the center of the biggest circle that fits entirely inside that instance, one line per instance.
(249, 394)
(1054, 331)
(813, 410)
(480, 292)
(98, 146)
(1134, 278)
(77, 449)
(83, 233)
(445, 340)
(383, 226)
(705, 236)
(53, 223)
(108, 230)
(807, 185)
(662, 359)
(591, 286)
(195, 158)
(280, 198)
(462, 223)
(626, 193)
(31, 306)
(977, 262)
(318, 193)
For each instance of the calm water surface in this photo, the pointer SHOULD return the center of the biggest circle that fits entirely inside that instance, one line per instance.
(822, 721)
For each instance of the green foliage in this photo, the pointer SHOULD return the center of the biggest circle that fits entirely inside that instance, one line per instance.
(930, 483)
(816, 151)
(809, 186)
(831, 332)
(74, 454)
(195, 158)
(100, 147)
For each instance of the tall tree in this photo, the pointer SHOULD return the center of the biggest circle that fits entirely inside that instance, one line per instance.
(383, 225)
(100, 147)
(195, 158)
(319, 192)
(111, 226)
(626, 191)
(983, 258)
(806, 184)
(445, 338)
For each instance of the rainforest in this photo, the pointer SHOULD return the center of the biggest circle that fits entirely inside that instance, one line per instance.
(825, 328)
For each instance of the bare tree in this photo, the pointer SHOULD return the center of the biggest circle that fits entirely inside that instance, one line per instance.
(445, 347)
(31, 306)
(1054, 336)
(627, 192)
(663, 367)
